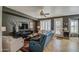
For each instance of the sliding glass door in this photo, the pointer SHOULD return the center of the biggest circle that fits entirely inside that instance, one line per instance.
(58, 26)
(74, 27)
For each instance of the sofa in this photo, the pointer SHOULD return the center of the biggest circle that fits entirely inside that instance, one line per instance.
(49, 35)
(23, 34)
(11, 44)
(38, 46)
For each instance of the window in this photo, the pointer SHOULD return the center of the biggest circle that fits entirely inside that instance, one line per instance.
(45, 25)
(31, 25)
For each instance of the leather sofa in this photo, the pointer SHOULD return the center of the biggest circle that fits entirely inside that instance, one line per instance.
(49, 35)
(38, 46)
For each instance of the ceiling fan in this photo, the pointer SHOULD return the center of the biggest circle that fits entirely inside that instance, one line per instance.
(42, 13)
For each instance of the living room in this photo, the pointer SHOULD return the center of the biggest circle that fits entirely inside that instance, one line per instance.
(40, 28)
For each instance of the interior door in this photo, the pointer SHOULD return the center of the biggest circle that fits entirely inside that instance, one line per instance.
(58, 26)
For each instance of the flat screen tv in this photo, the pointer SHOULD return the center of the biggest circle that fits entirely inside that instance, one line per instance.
(24, 26)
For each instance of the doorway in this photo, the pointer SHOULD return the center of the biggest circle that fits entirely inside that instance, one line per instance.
(58, 26)
(73, 27)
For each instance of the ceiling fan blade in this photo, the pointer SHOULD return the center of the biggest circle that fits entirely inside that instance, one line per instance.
(43, 14)
(46, 13)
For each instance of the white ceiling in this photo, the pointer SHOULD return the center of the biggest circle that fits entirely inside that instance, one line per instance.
(34, 11)
(29, 10)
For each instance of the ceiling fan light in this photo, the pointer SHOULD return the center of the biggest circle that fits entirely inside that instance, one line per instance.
(41, 12)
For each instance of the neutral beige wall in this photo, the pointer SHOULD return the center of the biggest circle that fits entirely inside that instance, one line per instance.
(0, 28)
